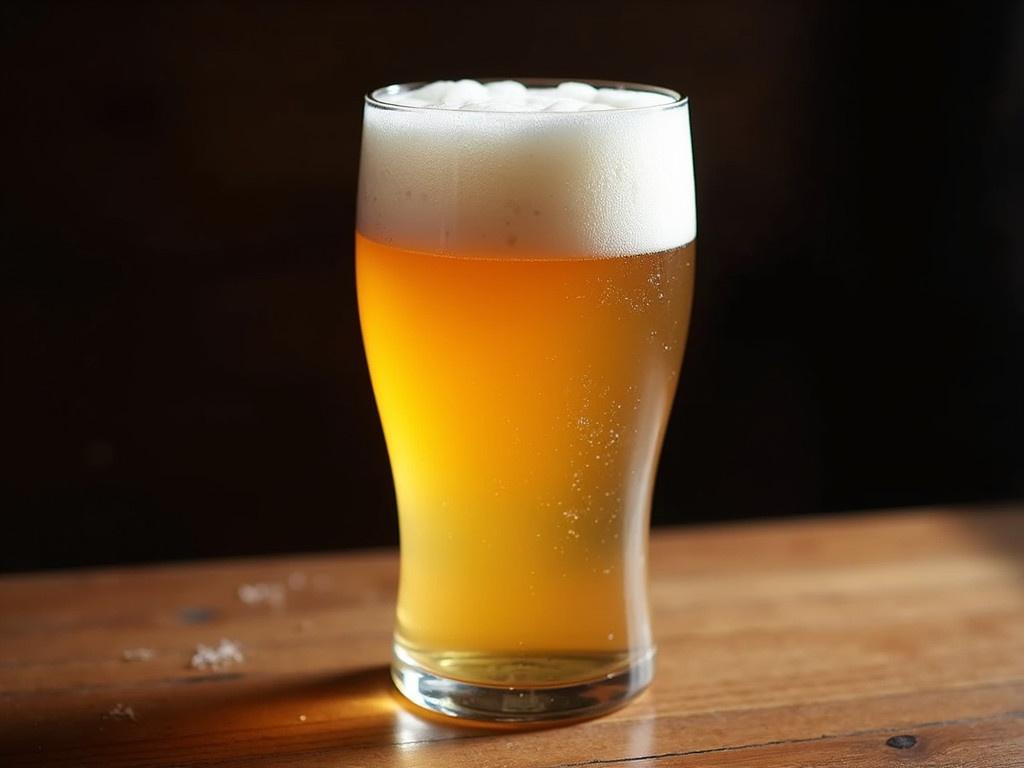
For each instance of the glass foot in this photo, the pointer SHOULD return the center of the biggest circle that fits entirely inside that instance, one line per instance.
(520, 703)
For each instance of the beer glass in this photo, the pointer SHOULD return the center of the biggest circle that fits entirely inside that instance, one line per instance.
(525, 262)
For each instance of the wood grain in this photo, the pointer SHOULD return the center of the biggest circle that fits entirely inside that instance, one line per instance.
(809, 642)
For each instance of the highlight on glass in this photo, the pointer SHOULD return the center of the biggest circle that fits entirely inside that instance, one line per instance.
(525, 256)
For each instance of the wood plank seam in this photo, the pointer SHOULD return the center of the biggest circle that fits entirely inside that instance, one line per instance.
(1014, 715)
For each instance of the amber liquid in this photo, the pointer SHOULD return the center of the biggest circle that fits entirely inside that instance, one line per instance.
(523, 403)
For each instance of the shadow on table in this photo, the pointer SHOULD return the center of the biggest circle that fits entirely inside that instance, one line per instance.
(222, 718)
(226, 718)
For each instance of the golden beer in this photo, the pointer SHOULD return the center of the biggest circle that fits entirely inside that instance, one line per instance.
(523, 402)
(524, 393)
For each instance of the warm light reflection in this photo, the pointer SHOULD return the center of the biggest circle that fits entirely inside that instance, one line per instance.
(410, 729)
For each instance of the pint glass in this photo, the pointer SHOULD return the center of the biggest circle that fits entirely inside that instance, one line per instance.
(525, 261)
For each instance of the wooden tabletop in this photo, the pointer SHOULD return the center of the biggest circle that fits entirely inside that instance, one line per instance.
(863, 640)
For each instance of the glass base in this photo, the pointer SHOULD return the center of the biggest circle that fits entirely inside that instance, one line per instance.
(520, 703)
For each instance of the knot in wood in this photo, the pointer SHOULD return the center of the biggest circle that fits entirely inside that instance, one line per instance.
(901, 742)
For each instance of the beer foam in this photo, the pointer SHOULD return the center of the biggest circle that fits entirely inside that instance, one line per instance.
(506, 169)
(511, 96)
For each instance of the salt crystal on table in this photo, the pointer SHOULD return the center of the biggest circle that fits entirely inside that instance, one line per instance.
(121, 712)
(227, 652)
(138, 654)
(269, 592)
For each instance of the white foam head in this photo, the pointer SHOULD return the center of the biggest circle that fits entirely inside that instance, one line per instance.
(502, 168)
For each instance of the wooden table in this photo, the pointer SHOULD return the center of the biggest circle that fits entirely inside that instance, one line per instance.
(878, 639)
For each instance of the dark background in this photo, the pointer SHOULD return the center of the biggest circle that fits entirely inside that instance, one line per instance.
(181, 368)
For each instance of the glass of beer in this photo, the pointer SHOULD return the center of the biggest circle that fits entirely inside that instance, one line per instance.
(525, 262)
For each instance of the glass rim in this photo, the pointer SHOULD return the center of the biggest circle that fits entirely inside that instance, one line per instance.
(375, 98)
